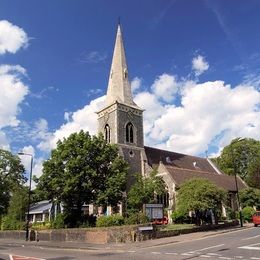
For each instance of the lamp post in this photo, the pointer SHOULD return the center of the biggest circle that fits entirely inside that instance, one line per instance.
(29, 196)
(235, 174)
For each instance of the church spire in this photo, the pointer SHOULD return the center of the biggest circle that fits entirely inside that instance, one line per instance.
(119, 88)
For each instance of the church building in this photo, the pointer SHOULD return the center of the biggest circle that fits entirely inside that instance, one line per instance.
(121, 122)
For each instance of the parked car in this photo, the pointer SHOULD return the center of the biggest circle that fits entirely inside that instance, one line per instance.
(161, 221)
(256, 218)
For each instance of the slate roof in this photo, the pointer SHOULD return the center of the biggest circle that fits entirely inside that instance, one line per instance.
(227, 182)
(40, 207)
(182, 167)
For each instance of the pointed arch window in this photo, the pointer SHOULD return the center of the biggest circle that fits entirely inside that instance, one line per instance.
(129, 133)
(107, 133)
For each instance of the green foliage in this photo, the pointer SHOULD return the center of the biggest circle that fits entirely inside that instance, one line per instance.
(250, 198)
(83, 169)
(199, 194)
(180, 217)
(58, 222)
(9, 223)
(11, 177)
(144, 191)
(248, 212)
(41, 225)
(231, 214)
(242, 156)
(109, 221)
(136, 218)
(15, 217)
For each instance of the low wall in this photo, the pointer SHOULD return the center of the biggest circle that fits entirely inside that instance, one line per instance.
(122, 234)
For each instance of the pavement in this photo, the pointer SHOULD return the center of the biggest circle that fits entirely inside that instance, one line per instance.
(124, 246)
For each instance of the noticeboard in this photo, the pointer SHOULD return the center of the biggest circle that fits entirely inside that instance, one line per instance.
(153, 211)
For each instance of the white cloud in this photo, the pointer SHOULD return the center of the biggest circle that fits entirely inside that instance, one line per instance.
(136, 84)
(12, 93)
(208, 113)
(93, 57)
(165, 87)
(83, 119)
(12, 37)
(4, 144)
(199, 65)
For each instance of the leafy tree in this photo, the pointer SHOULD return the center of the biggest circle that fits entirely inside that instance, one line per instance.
(83, 169)
(238, 156)
(199, 195)
(250, 198)
(15, 217)
(11, 177)
(144, 191)
(253, 176)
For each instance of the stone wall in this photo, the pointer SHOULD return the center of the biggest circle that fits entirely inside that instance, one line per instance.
(122, 234)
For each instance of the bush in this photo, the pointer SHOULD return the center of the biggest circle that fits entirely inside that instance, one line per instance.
(136, 218)
(232, 214)
(180, 217)
(109, 221)
(248, 212)
(41, 225)
(58, 222)
(9, 223)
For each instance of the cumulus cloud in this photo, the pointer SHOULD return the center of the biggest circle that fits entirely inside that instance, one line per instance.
(83, 119)
(12, 93)
(165, 87)
(199, 65)
(207, 113)
(12, 37)
(136, 84)
(93, 57)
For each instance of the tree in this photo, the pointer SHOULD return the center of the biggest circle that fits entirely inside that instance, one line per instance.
(11, 177)
(253, 176)
(83, 169)
(199, 195)
(15, 217)
(144, 191)
(250, 198)
(238, 156)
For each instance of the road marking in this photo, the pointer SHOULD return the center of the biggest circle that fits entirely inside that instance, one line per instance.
(156, 253)
(213, 254)
(251, 247)
(187, 254)
(131, 251)
(223, 257)
(171, 253)
(19, 257)
(251, 237)
(206, 248)
(205, 256)
(239, 256)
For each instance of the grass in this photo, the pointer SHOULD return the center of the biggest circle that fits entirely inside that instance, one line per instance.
(177, 227)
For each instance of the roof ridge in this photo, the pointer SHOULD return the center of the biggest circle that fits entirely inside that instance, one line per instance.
(186, 169)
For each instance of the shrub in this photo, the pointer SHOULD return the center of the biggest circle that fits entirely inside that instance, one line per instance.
(9, 223)
(180, 217)
(58, 222)
(232, 214)
(41, 225)
(109, 221)
(136, 218)
(248, 212)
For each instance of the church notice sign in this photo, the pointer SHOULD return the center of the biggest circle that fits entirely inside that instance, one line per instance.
(153, 211)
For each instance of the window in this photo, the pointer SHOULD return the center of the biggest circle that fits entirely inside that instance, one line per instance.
(107, 133)
(129, 133)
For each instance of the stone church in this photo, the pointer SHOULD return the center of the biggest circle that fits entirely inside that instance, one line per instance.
(121, 122)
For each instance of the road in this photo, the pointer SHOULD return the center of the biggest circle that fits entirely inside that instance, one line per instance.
(236, 245)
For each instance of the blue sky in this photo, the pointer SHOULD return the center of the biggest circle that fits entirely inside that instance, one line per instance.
(194, 67)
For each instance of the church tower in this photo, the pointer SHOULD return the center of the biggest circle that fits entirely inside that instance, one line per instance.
(121, 121)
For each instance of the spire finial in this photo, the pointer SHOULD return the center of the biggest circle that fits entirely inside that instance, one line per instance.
(119, 22)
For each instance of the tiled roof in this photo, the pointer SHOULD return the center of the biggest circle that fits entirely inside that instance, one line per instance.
(227, 182)
(154, 156)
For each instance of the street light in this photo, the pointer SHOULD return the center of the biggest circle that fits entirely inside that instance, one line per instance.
(29, 196)
(235, 174)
